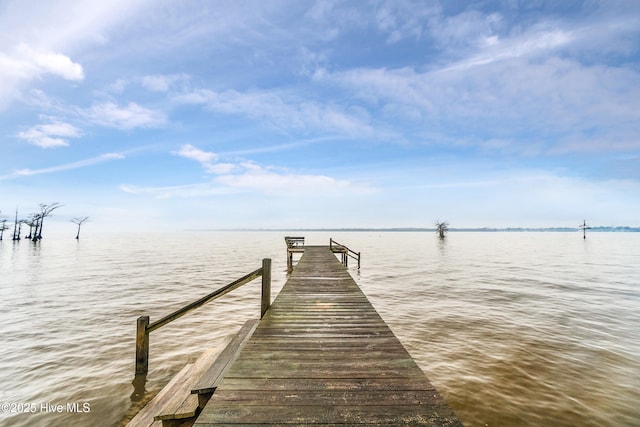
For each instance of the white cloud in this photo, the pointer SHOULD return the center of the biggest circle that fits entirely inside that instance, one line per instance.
(257, 178)
(551, 105)
(220, 168)
(245, 176)
(65, 167)
(50, 135)
(251, 177)
(129, 116)
(496, 49)
(162, 83)
(190, 152)
(284, 111)
(58, 64)
(25, 63)
(22, 64)
(205, 158)
(43, 38)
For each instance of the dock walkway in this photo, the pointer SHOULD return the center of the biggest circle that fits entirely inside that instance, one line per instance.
(323, 355)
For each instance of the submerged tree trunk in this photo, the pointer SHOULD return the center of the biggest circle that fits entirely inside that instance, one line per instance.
(3, 227)
(441, 229)
(16, 228)
(45, 211)
(35, 232)
(79, 221)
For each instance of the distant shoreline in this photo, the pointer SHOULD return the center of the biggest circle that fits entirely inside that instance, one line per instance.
(624, 229)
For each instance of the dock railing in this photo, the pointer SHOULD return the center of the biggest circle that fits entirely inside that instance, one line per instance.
(345, 251)
(144, 328)
(294, 245)
(294, 242)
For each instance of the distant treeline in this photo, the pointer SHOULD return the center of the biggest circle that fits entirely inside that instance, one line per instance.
(431, 230)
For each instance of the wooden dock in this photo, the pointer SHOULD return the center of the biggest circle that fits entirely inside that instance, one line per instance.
(322, 355)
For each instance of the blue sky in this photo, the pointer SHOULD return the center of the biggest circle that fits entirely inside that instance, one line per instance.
(222, 114)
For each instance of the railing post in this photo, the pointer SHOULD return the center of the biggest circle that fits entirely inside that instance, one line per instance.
(266, 286)
(142, 345)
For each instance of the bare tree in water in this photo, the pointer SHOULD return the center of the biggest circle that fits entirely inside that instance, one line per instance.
(584, 227)
(45, 211)
(79, 222)
(32, 222)
(17, 227)
(441, 229)
(3, 227)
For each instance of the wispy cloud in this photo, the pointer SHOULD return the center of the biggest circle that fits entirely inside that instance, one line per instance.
(65, 167)
(50, 135)
(207, 159)
(560, 105)
(125, 117)
(254, 177)
(175, 191)
(283, 111)
(245, 176)
(297, 144)
(162, 83)
(251, 177)
(188, 151)
(498, 49)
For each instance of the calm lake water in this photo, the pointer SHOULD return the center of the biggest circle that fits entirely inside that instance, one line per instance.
(514, 329)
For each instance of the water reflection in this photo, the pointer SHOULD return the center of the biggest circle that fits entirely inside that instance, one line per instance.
(442, 246)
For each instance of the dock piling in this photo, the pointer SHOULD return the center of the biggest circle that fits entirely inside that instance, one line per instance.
(142, 345)
(266, 286)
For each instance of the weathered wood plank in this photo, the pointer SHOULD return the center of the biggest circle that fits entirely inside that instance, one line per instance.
(323, 384)
(323, 355)
(210, 379)
(429, 415)
(329, 397)
(182, 403)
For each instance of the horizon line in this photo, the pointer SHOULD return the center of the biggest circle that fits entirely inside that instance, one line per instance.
(623, 228)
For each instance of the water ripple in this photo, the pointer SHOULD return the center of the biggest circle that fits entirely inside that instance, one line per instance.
(512, 328)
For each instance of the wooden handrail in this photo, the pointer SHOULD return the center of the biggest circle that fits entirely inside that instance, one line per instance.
(294, 241)
(346, 252)
(294, 244)
(144, 328)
